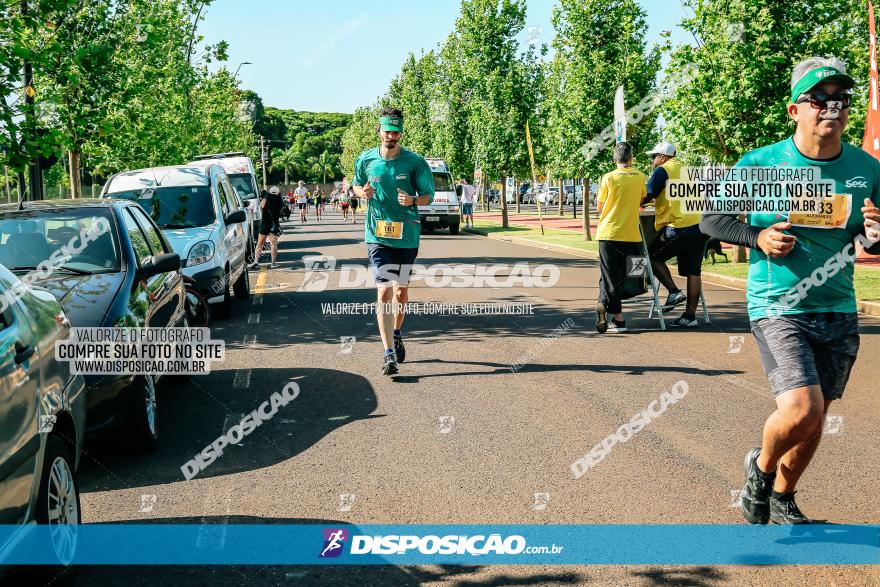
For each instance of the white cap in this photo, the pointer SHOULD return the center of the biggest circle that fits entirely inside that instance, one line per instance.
(274, 190)
(663, 148)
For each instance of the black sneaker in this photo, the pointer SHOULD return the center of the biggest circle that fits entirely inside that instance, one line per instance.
(674, 299)
(390, 366)
(601, 318)
(784, 510)
(399, 349)
(757, 490)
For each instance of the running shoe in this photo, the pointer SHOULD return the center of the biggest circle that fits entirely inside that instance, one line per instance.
(784, 510)
(255, 264)
(685, 321)
(399, 349)
(756, 493)
(273, 266)
(601, 318)
(617, 327)
(674, 299)
(390, 365)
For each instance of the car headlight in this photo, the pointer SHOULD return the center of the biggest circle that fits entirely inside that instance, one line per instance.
(200, 253)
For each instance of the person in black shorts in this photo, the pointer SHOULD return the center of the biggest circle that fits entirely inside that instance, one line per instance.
(270, 225)
(353, 202)
(319, 203)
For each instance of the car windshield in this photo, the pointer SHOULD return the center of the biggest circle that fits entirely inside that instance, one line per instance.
(67, 240)
(244, 184)
(174, 207)
(443, 182)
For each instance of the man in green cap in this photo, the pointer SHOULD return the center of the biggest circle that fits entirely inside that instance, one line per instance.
(393, 182)
(800, 294)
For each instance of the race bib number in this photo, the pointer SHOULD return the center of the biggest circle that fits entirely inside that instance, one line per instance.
(830, 212)
(389, 229)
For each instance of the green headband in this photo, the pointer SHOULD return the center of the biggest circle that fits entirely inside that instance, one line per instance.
(816, 76)
(392, 123)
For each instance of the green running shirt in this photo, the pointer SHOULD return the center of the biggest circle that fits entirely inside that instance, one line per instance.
(771, 281)
(409, 172)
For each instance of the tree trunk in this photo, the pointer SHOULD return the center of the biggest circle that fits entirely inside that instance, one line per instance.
(75, 188)
(285, 177)
(504, 222)
(587, 233)
(574, 199)
(8, 192)
(561, 195)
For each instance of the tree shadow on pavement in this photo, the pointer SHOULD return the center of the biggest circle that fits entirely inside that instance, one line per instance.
(193, 415)
(683, 577)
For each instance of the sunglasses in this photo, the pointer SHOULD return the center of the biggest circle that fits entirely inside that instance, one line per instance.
(820, 100)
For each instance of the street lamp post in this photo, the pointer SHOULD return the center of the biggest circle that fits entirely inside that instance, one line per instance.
(239, 67)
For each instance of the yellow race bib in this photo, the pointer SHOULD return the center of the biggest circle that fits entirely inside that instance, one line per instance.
(389, 229)
(830, 212)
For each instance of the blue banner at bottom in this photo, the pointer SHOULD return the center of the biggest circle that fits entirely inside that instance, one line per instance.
(317, 544)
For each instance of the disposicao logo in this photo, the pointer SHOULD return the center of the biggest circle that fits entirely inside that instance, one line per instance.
(334, 540)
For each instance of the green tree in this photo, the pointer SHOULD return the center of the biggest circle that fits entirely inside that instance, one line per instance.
(325, 165)
(359, 136)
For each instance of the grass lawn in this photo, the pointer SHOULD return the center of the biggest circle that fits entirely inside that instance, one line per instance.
(556, 237)
(867, 280)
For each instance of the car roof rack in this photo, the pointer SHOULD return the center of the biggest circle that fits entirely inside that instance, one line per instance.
(218, 156)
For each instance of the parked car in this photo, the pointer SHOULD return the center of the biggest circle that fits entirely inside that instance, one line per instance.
(127, 276)
(42, 419)
(196, 208)
(443, 211)
(243, 177)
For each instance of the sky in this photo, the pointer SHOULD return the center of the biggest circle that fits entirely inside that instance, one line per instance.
(336, 55)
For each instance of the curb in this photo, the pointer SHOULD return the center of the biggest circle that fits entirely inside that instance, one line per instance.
(862, 306)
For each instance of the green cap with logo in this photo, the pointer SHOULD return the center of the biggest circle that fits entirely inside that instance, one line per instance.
(391, 123)
(817, 76)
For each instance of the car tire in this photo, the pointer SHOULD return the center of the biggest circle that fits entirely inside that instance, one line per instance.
(188, 377)
(224, 308)
(453, 228)
(242, 286)
(142, 419)
(57, 507)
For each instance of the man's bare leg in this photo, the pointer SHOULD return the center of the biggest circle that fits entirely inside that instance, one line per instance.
(791, 434)
(385, 315)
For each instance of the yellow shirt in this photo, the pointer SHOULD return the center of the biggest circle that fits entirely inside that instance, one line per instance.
(669, 213)
(621, 193)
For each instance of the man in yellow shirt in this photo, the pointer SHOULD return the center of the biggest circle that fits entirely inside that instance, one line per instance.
(620, 194)
(678, 235)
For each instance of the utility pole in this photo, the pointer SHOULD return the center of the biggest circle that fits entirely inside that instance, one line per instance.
(34, 173)
(264, 157)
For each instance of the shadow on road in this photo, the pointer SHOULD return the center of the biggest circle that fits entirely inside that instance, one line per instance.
(193, 415)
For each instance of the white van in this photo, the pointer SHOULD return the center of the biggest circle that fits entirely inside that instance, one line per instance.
(443, 212)
(196, 209)
(243, 177)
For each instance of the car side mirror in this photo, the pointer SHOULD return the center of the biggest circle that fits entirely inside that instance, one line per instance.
(236, 217)
(159, 264)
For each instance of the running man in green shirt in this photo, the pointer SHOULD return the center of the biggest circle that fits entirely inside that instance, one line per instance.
(800, 293)
(393, 182)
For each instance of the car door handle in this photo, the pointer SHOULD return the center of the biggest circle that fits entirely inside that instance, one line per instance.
(23, 353)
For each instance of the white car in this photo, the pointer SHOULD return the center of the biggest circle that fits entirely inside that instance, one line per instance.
(198, 211)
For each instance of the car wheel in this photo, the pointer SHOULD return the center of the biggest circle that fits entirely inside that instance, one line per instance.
(188, 377)
(242, 286)
(58, 500)
(453, 228)
(224, 308)
(142, 423)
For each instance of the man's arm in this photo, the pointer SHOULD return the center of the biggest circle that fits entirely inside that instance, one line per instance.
(656, 183)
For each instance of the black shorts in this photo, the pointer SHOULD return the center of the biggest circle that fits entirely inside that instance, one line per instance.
(354, 204)
(687, 245)
(808, 349)
(267, 228)
(391, 264)
(301, 206)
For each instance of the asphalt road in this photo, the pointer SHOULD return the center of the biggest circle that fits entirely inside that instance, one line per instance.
(392, 444)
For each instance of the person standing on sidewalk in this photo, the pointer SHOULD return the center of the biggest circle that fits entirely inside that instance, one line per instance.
(678, 235)
(620, 242)
(392, 182)
(808, 338)
(467, 202)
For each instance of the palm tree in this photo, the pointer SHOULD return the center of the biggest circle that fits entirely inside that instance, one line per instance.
(324, 166)
(290, 160)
